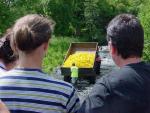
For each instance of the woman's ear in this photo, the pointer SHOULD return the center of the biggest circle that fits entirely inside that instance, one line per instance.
(13, 46)
(46, 46)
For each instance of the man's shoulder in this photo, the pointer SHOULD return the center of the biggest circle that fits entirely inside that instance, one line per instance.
(116, 76)
(125, 71)
(74, 66)
(130, 74)
(122, 74)
(140, 66)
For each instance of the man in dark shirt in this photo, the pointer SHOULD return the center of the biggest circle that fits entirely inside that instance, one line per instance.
(127, 89)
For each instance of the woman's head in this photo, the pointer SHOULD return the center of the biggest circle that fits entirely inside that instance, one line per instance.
(6, 52)
(31, 31)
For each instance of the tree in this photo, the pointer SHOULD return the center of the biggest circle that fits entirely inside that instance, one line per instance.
(10, 10)
(78, 18)
(4, 16)
(144, 15)
(97, 14)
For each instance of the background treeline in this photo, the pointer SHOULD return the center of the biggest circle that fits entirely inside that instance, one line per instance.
(82, 19)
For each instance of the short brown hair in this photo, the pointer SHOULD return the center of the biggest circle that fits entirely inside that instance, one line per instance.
(31, 31)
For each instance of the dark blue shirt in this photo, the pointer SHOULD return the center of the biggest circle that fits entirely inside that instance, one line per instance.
(126, 90)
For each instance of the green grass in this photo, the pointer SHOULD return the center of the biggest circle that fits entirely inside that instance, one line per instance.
(56, 52)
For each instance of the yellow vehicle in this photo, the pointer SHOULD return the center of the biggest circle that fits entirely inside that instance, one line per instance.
(84, 55)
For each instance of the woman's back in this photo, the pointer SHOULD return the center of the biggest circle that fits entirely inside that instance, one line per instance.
(31, 90)
(26, 89)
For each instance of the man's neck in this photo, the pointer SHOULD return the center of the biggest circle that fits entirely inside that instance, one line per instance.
(127, 61)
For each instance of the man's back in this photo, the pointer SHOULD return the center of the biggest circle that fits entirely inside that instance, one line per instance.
(126, 90)
(32, 91)
(74, 71)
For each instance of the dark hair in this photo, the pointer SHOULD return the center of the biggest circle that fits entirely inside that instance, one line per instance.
(73, 64)
(127, 35)
(6, 52)
(31, 31)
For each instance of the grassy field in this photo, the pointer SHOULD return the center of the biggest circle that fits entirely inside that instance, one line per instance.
(57, 50)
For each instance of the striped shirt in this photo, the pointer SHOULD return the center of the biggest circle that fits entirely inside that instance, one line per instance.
(26, 90)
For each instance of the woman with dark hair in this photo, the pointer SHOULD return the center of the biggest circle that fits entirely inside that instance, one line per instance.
(7, 58)
(27, 89)
(7, 61)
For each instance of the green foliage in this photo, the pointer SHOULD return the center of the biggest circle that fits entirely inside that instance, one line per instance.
(82, 18)
(4, 16)
(62, 12)
(144, 16)
(86, 18)
(56, 52)
(97, 15)
(73, 17)
(78, 18)
(126, 6)
(10, 10)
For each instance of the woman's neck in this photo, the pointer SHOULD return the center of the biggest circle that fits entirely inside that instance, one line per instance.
(33, 59)
(30, 61)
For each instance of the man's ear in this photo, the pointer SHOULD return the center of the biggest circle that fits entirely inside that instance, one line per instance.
(112, 49)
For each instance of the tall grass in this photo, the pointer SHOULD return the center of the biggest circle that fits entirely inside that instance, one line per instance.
(56, 52)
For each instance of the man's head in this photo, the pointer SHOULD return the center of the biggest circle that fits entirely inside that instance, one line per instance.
(73, 64)
(126, 35)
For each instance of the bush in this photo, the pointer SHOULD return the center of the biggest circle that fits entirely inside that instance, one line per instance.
(144, 16)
